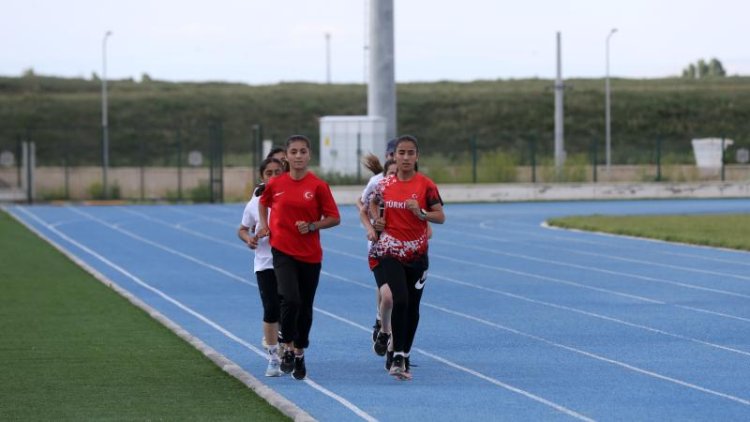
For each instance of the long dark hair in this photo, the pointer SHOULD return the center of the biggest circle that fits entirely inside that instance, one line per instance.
(372, 162)
(275, 150)
(262, 186)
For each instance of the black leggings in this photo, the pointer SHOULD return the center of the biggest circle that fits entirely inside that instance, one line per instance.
(407, 284)
(298, 282)
(269, 295)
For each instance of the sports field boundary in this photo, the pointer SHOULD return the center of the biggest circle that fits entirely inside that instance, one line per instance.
(273, 398)
(519, 192)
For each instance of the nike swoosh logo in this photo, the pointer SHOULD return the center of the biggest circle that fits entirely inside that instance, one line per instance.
(420, 283)
(277, 194)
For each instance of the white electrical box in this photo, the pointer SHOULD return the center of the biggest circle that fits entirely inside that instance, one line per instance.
(344, 140)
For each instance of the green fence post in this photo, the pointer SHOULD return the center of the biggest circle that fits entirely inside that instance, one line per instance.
(142, 162)
(594, 159)
(66, 159)
(179, 165)
(658, 159)
(258, 134)
(722, 158)
(532, 152)
(473, 143)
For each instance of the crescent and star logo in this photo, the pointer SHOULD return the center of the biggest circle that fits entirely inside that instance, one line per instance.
(308, 195)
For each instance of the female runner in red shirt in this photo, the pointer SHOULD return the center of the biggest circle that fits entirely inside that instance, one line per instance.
(399, 255)
(302, 205)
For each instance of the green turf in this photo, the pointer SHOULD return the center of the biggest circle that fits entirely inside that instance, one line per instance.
(723, 230)
(73, 349)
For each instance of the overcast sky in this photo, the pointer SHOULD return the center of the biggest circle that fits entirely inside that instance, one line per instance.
(269, 41)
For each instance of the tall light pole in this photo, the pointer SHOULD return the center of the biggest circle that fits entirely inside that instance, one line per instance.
(328, 57)
(105, 129)
(607, 117)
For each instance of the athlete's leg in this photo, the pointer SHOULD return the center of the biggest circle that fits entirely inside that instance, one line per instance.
(395, 276)
(309, 275)
(286, 270)
(269, 296)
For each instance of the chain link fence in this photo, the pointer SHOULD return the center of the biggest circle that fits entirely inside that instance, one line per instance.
(210, 163)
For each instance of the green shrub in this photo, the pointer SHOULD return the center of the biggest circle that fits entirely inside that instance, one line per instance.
(96, 191)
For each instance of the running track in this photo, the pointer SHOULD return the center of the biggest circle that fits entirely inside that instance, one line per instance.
(519, 321)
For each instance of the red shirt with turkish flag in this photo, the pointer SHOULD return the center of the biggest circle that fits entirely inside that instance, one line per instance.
(404, 236)
(308, 199)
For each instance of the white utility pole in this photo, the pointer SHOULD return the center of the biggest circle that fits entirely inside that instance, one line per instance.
(328, 57)
(381, 90)
(105, 128)
(559, 123)
(607, 116)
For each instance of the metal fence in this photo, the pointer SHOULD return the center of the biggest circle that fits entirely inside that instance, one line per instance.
(211, 162)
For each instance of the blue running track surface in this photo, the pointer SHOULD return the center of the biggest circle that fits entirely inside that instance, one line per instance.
(518, 321)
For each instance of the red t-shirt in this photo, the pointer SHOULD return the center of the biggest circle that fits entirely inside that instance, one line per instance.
(308, 199)
(405, 235)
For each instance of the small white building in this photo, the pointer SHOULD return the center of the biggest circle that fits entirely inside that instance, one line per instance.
(344, 140)
(710, 151)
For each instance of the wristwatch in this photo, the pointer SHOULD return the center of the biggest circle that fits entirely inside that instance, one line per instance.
(311, 227)
(422, 214)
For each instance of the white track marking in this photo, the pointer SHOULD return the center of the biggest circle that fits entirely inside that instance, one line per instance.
(569, 348)
(597, 357)
(359, 412)
(595, 269)
(445, 361)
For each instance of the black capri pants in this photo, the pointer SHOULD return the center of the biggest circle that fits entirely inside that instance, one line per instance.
(406, 281)
(269, 295)
(297, 283)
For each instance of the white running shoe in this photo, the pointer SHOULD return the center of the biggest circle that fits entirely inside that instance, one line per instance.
(274, 369)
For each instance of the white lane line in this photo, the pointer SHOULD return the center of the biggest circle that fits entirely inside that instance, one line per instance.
(477, 374)
(599, 357)
(452, 364)
(591, 314)
(271, 396)
(585, 353)
(566, 282)
(185, 230)
(741, 254)
(568, 239)
(595, 356)
(355, 409)
(594, 268)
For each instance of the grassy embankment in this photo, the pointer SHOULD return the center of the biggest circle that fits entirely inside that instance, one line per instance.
(73, 349)
(725, 230)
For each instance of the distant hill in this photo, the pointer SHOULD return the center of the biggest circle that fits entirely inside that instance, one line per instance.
(63, 114)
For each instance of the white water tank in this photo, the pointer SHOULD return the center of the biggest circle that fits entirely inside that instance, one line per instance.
(708, 151)
(344, 140)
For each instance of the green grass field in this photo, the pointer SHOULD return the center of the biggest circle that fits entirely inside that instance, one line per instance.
(73, 349)
(723, 230)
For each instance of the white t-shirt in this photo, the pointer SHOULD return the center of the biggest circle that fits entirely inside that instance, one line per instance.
(371, 184)
(263, 257)
(369, 189)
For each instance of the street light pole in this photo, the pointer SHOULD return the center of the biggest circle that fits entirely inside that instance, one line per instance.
(105, 129)
(607, 117)
(328, 57)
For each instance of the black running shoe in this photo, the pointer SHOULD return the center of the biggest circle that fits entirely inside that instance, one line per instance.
(398, 368)
(381, 344)
(406, 365)
(388, 360)
(375, 330)
(299, 368)
(287, 362)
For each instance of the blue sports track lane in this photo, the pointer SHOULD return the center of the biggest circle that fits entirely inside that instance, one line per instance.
(518, 321)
